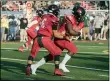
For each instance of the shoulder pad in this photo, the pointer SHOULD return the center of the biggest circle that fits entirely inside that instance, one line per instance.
(70, 18)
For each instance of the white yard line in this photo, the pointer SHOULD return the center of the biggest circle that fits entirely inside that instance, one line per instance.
(87, 68)
(44, 73)
(29, 79)
(67, 77)
(46, 50)
(37, 71)
(61, 76)
(66, 65)
(104, 75)
(91, 46)
(41, 72)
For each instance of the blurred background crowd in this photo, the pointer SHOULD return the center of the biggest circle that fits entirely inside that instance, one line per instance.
(16, 15)
(21, 4)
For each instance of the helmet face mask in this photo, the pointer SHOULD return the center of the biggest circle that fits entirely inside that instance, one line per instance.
(40, 12)
(78, 12)
(56, 13)
(53, 9)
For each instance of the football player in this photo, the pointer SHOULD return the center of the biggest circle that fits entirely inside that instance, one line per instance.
(71, 26)
(33, 27)
(48, 29)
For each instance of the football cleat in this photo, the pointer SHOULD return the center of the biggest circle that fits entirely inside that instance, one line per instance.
(33, 69)
(28, 70)
(21, 49)
(58, 72)
(62, 66)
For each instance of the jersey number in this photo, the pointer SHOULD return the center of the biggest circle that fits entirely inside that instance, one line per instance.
(42, 25)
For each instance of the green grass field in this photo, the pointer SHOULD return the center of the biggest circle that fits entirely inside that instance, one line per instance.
(90, 63)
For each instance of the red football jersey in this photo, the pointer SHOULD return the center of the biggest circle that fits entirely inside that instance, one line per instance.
(71, 19)
(35, 23)
(46, 24)
(74, 22)
(37, 18)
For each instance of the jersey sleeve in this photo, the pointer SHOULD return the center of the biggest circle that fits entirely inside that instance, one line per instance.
(81, 25)
(35, 18)
(55, 23)
(70, 19)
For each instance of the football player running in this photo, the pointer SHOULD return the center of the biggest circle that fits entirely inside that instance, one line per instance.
(48, 30)
(33, 27)
(71, 26)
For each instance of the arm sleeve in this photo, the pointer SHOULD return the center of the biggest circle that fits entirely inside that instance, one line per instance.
(55, 23)
(81, 25)
(35, 18)
(70, 19)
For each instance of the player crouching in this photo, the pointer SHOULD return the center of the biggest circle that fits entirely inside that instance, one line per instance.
(71, 27)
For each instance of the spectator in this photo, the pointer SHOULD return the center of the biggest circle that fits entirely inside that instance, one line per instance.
(85, 30)
(98, 25)
(23, 25)
(105, 28)
(4, 27)
(57, 3)
(108, 32)
(102, 26)
(91, 27)
(13, 27)
(18, 24)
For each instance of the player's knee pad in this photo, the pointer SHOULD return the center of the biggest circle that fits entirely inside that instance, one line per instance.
(51, 57)
(56, 57)
(48, 57)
